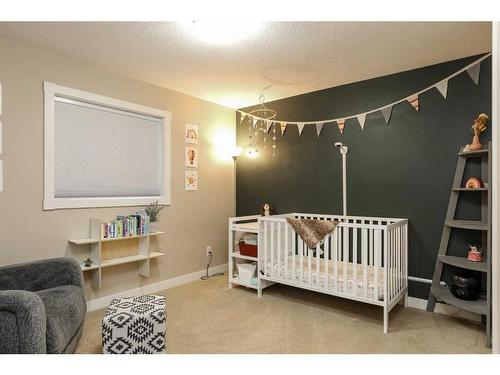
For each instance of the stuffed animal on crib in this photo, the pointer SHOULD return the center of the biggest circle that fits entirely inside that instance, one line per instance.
(267, 210)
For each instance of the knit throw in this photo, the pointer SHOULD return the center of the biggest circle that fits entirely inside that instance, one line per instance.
(312, 231)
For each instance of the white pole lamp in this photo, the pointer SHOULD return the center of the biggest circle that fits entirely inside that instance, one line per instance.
(343, 151)
(235, 153)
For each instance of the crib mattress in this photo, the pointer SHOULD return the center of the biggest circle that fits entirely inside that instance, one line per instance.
(279, 273)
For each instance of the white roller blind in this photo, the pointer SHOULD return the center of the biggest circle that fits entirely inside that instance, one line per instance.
(101, 152)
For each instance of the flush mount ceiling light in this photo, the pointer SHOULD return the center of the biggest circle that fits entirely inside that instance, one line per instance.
(221, 31)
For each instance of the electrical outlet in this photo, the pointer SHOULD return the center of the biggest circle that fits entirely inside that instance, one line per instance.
(209, 250)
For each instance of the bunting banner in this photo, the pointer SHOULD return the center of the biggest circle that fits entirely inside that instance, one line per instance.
(413, 100)
(268, 126)
(300, 126)
(361, 119)
(473, 73)
(340, 125)
(283, 127)
(443, 88)
(319, 126)
(387, 111)
(473, 70)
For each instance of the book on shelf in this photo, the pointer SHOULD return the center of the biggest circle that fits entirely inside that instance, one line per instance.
(126, 226)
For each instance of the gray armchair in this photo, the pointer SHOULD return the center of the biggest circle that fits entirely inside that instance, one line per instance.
(42, 306)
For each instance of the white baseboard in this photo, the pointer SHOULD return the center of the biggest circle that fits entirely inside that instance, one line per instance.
(102, 302)
(442, 308)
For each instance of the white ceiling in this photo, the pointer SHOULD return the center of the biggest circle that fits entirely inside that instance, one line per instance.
(297, 57)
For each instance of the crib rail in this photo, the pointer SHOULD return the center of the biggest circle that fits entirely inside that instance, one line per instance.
(364, 259)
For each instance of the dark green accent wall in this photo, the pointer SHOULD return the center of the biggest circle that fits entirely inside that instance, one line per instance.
(404, 169)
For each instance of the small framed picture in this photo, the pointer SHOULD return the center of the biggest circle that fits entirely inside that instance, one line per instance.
(191, 181)
(191, 133)
(191, 157)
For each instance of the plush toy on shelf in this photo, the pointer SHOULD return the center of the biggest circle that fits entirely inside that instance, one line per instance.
(475, 254)
(478, 127)
(87, 263)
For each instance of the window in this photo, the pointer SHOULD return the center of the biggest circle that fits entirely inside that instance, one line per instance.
(103, 152)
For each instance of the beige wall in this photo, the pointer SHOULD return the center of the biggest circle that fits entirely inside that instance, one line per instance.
(193, 221)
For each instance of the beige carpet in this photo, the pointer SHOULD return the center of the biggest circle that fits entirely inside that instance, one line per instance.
(206, 317)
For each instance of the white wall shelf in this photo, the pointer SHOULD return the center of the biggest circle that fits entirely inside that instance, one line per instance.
(140, 249)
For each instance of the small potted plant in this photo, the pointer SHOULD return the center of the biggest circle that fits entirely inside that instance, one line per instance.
(478, 127)
(152, 210)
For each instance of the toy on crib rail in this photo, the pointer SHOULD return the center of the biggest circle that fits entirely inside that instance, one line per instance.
(475, 254)
(267, 210)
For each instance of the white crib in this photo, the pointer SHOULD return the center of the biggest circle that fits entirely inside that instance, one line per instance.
(365, 259)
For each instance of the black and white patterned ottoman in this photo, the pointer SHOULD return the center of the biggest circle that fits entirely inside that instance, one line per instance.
(135, 325)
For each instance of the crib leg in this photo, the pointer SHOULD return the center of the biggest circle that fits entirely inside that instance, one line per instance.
(259, 292)
(406, 298)
(386, 320)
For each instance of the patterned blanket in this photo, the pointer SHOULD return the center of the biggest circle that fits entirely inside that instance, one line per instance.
(312, 231)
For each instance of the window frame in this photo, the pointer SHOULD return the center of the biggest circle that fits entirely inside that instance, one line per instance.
(50, 202)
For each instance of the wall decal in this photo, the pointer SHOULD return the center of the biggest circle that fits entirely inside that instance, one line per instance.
(191, 133)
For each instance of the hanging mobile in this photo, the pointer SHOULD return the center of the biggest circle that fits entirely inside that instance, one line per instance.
(264, 115)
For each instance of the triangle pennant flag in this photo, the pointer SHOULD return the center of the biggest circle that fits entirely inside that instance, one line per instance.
(443, 88)
(300, 126)
(319, 126)
(283, 127)
(473, 72)
(340, 124)
(387, 111)
(361, 120)
(268, 126)
(413, 100)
